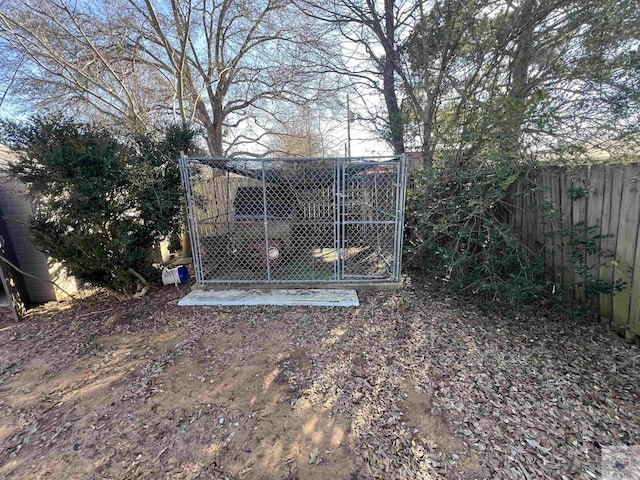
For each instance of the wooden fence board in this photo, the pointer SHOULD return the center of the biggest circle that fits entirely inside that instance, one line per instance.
(558, 255)
(626, 238)
(578, 195)
(566, 203)
(634, 307)
(607, 245)
(524, 222)
(626, 247)
(612, 205)
(538, 223)
(530, 217)
(516, 210)
(547, 227)
(595, 204)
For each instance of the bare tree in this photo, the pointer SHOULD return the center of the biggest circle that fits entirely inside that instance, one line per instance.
(222, 64)
(375, 34)
(464, 76)
(306, 133)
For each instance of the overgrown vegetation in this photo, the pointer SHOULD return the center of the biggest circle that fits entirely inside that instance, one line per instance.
(102, 199)
(584, 242)
(493, 86)
(459, 220)
(456, 219)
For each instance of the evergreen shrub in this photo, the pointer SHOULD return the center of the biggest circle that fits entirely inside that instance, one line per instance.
(102, 198)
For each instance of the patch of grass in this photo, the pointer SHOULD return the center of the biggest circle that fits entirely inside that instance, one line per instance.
(305, 270)
(89, 345)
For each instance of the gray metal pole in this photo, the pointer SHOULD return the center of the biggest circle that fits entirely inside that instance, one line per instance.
(401, 201)
(336, 217)
(266, 223)
(348, 128)
(191, 220)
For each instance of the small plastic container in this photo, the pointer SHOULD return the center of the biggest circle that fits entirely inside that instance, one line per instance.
(175, 276)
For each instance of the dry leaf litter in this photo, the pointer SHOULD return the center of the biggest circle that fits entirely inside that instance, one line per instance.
(410, 385)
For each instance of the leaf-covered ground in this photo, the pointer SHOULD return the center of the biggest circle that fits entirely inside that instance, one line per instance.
(410, 385)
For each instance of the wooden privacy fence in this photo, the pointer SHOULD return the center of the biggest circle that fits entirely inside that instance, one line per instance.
(586, 222)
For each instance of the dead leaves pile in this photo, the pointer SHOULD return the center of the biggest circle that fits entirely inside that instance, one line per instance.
(432, 388)
(504, 396)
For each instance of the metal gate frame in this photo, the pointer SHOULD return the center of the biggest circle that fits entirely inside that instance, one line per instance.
(341, 222)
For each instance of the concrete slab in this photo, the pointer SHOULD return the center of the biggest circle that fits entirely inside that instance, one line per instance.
(303, 297)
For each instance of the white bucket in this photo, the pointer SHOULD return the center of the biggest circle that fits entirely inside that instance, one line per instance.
(175, 276)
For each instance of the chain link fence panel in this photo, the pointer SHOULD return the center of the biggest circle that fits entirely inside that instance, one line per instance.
(321, 220)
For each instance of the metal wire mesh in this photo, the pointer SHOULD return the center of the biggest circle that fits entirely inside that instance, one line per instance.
(295, 220)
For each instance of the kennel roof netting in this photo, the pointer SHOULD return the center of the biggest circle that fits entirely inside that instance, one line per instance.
(307, 177)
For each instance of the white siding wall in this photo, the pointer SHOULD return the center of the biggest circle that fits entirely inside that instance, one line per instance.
(16, 210)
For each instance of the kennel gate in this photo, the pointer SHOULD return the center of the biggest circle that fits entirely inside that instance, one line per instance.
(292, 220)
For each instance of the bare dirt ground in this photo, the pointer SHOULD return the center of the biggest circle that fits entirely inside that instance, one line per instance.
(411, 385)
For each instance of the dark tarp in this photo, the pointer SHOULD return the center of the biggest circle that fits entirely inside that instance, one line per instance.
(297, 174)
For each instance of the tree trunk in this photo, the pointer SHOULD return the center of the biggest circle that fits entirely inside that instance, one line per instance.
(516, 101)
(396, 123)
(396, 126)
(185, 240)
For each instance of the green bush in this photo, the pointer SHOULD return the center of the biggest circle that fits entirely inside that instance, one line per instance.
(102, 199)
(457, 231)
